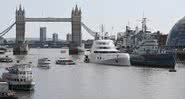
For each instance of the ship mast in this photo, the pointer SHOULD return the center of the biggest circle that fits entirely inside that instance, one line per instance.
(144, 27)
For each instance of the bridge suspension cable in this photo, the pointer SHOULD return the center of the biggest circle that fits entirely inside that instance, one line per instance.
(91, 32)
(6, 30)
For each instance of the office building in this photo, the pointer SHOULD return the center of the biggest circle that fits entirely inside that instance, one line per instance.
(55, 37)
(69, 37)
(43, 34)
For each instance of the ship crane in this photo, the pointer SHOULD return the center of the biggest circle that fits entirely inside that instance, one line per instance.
(96, 35)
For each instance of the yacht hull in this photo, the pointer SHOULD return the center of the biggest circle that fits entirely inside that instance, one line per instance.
(121, 59)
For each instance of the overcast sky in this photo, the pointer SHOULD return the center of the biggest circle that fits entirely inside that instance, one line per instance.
(161, 14)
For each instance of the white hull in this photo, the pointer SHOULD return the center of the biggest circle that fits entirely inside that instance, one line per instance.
(44, 63)
(117, 59)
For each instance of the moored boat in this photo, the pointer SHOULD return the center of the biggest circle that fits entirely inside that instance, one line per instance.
(19, 77)
(104, 51)
(148, 55)
(160, 60)
(65, 61)
(44, 63)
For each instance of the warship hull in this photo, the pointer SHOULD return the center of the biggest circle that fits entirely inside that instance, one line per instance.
(154, 60)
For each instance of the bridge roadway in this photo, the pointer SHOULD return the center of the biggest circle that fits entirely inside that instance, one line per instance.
(48, 19)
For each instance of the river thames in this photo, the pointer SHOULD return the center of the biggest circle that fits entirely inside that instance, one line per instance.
(92, 81)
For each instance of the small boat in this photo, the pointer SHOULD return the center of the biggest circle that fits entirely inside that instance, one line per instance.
(5, 93)
(6, 59)
(44, 63)
(64, 61)
(19, 77)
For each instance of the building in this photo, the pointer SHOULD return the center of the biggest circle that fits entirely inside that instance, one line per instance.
(176, 40)
(69, 37)
(55, 37)
(43, 34)
(176, 37)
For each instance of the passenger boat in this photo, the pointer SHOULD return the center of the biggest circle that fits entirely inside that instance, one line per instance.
(6, 59)
(103, 51)
(64, 61)
(44, 63)
(19, 77)
(5, 93)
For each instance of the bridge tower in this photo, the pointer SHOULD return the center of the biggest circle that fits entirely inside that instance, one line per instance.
(76, 27)
(21, 47)
(76, 43)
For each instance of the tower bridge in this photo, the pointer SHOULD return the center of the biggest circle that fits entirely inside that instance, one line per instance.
(48, 20)
(21, 46)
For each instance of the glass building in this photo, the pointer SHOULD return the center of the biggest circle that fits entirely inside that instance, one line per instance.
(176, 37)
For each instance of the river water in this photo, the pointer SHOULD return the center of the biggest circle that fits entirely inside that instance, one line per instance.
(92, 81)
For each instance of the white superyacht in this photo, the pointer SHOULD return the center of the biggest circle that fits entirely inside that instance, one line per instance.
(104, 52)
